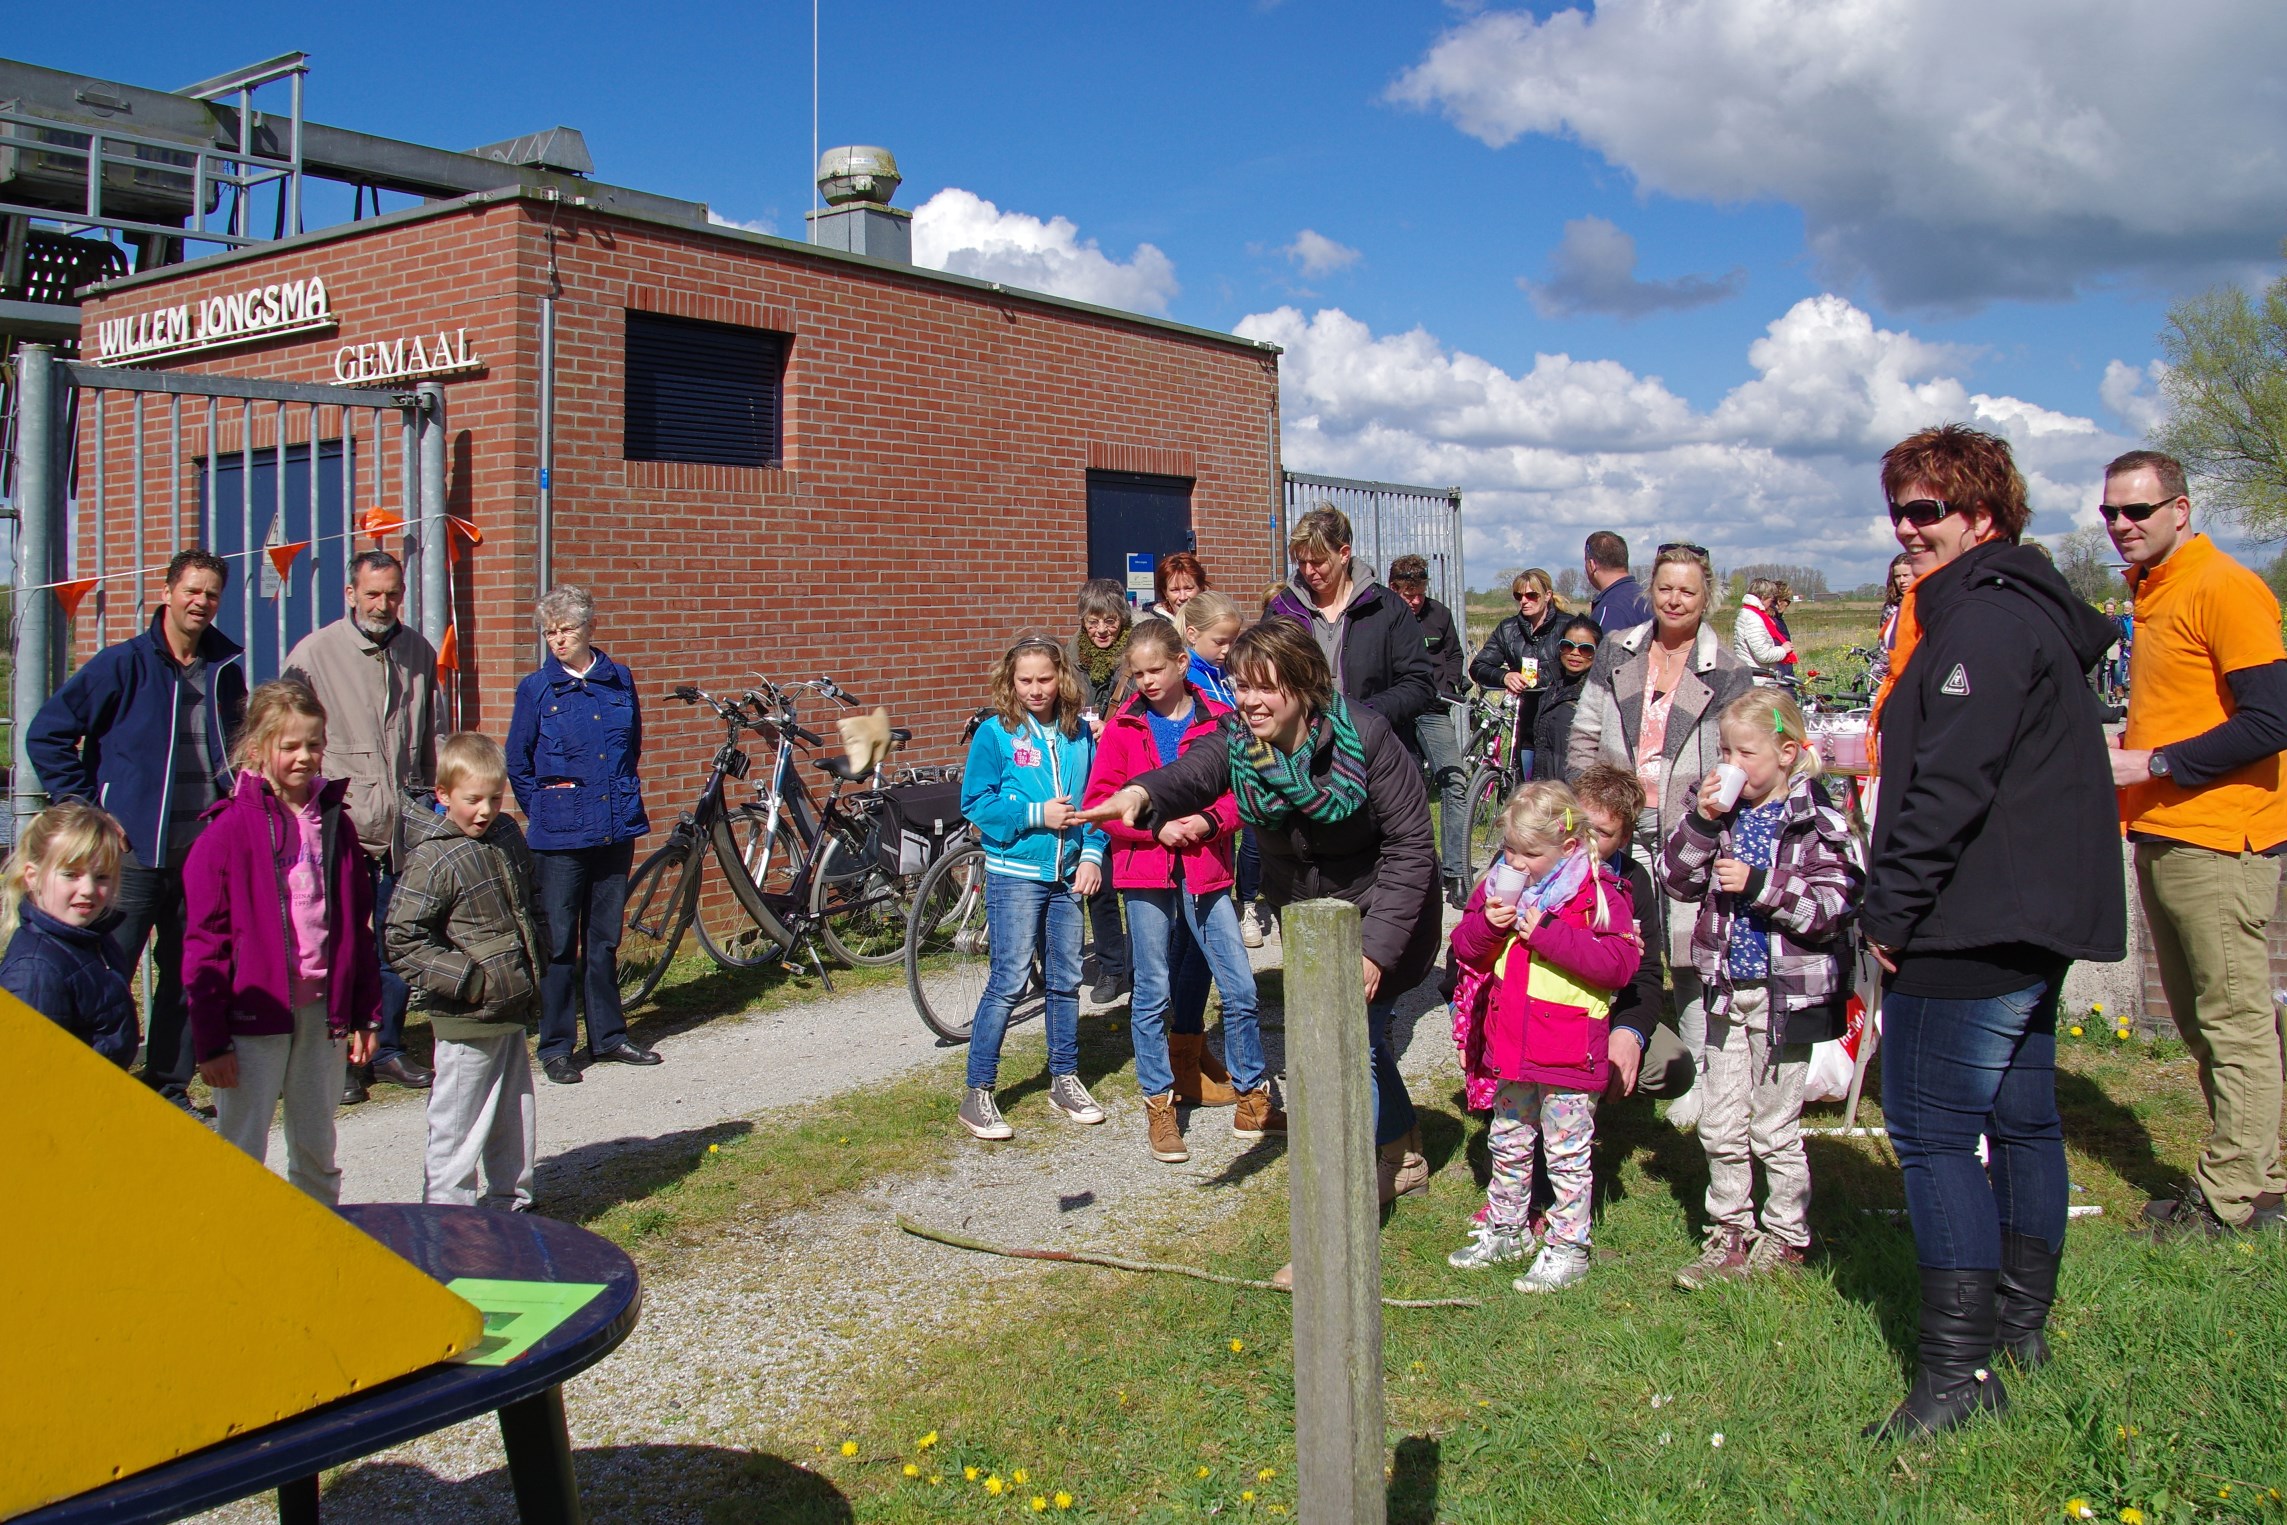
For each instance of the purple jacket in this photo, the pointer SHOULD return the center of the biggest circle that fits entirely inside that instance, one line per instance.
(238, 972)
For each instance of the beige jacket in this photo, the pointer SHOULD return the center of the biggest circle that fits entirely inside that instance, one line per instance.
(381, 711)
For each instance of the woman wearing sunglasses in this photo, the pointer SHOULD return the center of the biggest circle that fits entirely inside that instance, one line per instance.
(1517, 657)
(1995, 863)
(1575, 647)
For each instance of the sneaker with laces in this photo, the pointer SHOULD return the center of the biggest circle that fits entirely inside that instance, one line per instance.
(981, 1115)
(1768, 1257)
(1490, 1246)
(1255, 1115)
(1068, 1096)
(1555, 1267)
(1251, 927)
(1724, 1259)
(1162, 1133)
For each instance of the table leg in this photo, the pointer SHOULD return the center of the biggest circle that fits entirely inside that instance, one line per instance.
(540, 1460)
(298, 1502)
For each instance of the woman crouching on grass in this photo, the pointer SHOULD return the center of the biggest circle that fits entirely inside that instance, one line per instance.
(1338, 805)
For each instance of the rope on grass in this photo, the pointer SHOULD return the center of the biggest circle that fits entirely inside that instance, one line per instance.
(1120, 1263)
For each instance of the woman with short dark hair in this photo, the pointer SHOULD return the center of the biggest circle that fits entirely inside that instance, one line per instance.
(1575, 650)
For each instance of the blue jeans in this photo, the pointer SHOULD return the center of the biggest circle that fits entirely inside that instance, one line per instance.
(1434, 730)
(1159, 921)
(1250, 866)
(1952, 1070)
(1393, 1108)
(395, 993)
(150, 900)
(583, 897)
(1024, 917)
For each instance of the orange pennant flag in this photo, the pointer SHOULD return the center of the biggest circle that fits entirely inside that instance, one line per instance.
(381, 523)
(466, 530)
(69, 594)
(282, 556)
(449, 652)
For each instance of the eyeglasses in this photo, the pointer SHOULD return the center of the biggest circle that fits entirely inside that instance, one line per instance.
(2134, 513)
(1587, 646)
(1920, 512)
(1684, 545)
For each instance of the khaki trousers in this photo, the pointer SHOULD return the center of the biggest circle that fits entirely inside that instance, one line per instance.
(2210, 913)
(482, 1131)
(1754, 1111)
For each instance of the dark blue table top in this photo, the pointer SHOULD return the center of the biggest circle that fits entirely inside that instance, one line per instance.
(446, 1242)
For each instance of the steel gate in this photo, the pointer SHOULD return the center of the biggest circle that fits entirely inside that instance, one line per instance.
(115, 470)
(1387, 520)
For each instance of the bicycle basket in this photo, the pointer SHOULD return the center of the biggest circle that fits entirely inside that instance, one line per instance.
(921, 819)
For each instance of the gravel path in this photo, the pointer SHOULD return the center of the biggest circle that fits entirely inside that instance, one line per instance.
(775, 1328)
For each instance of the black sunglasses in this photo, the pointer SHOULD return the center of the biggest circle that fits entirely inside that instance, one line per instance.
(1588, 646)
(2134, 513)
(1684, 545)
(1921, 512)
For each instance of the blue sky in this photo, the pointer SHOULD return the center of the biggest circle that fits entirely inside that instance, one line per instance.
(1972, 207)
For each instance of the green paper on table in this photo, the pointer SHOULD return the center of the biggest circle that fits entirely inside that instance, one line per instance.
(519, 1314)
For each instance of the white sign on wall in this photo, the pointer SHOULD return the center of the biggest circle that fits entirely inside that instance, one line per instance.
(406, 358)
(238, 317)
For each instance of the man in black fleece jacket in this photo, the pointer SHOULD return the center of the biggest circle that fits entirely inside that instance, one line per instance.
(1996, 862)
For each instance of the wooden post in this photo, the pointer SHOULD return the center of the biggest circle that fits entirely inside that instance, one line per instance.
(1335, 1221)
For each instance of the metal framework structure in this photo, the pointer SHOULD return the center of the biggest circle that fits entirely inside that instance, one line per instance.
(131, 438)
(1387, 520)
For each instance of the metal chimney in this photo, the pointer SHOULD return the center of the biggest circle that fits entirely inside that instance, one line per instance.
(858, 182)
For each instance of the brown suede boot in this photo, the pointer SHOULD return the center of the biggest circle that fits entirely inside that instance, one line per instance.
(1401, 1169)
(1195, 1085)
(1165, 1137)
(1256, 1116)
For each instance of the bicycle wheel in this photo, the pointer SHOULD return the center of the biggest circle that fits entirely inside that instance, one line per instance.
(658, 909)
(727, 933)
(862, 910)
(1486, 792)
(948, 949)
(759, 872)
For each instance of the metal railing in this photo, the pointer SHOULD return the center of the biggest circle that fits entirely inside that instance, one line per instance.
(1387, 520)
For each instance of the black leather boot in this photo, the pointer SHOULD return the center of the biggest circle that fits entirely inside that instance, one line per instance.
(2028, 1286)
(1957, 1381)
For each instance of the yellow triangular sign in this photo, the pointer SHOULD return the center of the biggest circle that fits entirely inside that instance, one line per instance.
(166, 1292)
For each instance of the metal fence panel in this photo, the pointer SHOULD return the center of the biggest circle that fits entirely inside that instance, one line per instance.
(1389, 520)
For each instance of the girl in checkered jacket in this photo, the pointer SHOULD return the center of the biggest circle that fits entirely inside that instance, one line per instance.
(1778, 880)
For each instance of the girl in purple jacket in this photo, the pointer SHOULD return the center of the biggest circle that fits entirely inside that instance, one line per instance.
(1551, 933)
(280, 967)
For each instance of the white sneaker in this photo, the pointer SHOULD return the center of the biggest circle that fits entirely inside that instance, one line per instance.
(1490, 1246)
(1068, 1096)
(1251, 927)
(1557, 1265)
(1683, 1112)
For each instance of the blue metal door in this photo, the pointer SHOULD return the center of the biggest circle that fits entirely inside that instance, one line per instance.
(312, 588)
(1131, 514)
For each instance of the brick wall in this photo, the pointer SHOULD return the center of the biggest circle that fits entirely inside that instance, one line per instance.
(931, 503)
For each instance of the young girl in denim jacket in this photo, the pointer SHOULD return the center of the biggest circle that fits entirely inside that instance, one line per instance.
(1021, 789)
(1547, 938)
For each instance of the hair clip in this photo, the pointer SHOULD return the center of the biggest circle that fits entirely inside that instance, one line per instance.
(1568, 818)
(1779, 721)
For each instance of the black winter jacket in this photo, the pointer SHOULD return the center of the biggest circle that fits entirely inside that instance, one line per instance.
(1997, 821)
(77, 978)
(1382, 859)
(1446, 652)
(1552, 726)
(1504, 652)
(1384, 665)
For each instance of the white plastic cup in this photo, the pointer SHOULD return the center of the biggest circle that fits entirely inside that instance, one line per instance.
(1506, 884)
(1530, 668)
(1731, 779)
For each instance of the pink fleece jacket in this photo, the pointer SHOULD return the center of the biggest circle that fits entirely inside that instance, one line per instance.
(1521, 1037)
(1125, 752)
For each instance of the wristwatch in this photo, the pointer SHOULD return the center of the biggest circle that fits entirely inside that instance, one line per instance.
(2158, 763)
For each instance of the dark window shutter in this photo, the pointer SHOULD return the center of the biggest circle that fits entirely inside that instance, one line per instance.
(709, 393)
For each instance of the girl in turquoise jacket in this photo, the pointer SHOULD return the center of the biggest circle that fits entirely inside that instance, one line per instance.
(1021, 787)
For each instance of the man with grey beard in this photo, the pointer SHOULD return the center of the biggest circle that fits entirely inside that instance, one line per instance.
(377, 679)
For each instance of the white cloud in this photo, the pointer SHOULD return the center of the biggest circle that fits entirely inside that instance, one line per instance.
(1951, 150)
(750, 224)
(1319, 255)
(1594, 270)
(1783, 467)
(961, 232)
(2124, 390)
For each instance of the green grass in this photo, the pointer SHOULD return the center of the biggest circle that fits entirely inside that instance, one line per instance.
(1602, 1403)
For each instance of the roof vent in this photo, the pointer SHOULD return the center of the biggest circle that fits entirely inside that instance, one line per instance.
(860, 172)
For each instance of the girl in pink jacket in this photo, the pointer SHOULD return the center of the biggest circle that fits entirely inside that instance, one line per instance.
(1549, 935)
(1182, 925)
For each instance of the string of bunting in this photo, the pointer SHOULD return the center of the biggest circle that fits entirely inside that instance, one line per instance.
(377, 523)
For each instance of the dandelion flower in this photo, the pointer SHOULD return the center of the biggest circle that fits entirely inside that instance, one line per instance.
(1064, 1501)
(1246, 1495)
(714, 1149)
(2097, 1007)
(935, 1479)
(2076, 1030)
(1202, 1472)
(2078, 1509)
(1716, 1440)
(911, 1470)
(2132, 1516)
(1039, 1503)
(1020, 1477)
(849, 1448)
(2224, 1492)
(926, 1441)
(1237, 1346)
(994, 1485)
(1278, 1509)
(1266, 1474)
(845, 1140)
(969, 1473)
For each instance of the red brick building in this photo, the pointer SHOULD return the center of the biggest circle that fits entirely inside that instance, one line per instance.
(921, 493)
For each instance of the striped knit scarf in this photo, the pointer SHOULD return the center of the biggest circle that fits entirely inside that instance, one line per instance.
(1273, 787)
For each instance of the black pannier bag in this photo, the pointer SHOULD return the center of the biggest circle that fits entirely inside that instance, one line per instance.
(919, 821)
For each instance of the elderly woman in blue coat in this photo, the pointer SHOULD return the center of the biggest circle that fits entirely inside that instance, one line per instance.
(573, 747)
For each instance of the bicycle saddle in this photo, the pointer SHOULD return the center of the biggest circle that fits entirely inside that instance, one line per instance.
(839, 767)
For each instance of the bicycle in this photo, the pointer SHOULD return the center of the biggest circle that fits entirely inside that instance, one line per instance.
(1493, 778)
(948, 945)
